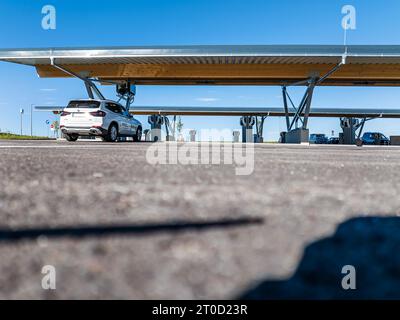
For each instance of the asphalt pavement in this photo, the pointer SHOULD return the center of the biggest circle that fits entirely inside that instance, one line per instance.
(114, 225)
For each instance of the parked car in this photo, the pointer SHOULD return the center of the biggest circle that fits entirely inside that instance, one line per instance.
(103, 118)
(375, 138)
(333, 140)
(318, 138)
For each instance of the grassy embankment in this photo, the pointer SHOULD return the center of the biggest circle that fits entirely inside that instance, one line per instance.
(11, 136)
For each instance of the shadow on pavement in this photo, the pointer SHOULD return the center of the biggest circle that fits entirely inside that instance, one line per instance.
(371, 245)
(12, 235)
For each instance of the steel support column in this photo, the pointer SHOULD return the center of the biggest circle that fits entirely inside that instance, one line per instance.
(350, 127)
(259, 138)
(155, 121)
(302, 111)
(247, 123)
(127, 92)
(170, 128)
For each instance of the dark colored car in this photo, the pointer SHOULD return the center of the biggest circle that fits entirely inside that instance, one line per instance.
(318, 138)
(375, 138)
(333, 140)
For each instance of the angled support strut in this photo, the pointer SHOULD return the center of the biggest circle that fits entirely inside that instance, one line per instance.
(170, 128)
(260, 128)
(91, 88)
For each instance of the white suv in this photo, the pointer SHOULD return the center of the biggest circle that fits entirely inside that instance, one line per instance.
(103, 118)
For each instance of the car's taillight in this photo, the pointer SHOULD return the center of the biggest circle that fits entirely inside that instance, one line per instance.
(98, 113)
(65, 113)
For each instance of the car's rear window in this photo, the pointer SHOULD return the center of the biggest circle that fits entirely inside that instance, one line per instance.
(84, 104)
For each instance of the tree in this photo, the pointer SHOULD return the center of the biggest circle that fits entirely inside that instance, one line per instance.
(179, 125)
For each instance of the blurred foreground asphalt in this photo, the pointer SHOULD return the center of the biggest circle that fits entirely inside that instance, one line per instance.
(115, 226)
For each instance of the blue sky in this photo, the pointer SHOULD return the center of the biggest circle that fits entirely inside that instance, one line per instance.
(191, 22)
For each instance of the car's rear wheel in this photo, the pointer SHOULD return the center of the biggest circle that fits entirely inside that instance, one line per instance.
(112, 134)
(138, 136)
(71, 137)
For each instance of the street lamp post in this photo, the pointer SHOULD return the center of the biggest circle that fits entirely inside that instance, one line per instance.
(21, 111)
(31, 120)
(47, 126)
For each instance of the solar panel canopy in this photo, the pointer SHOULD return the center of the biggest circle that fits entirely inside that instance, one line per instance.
(245, 111)
(219, 65)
